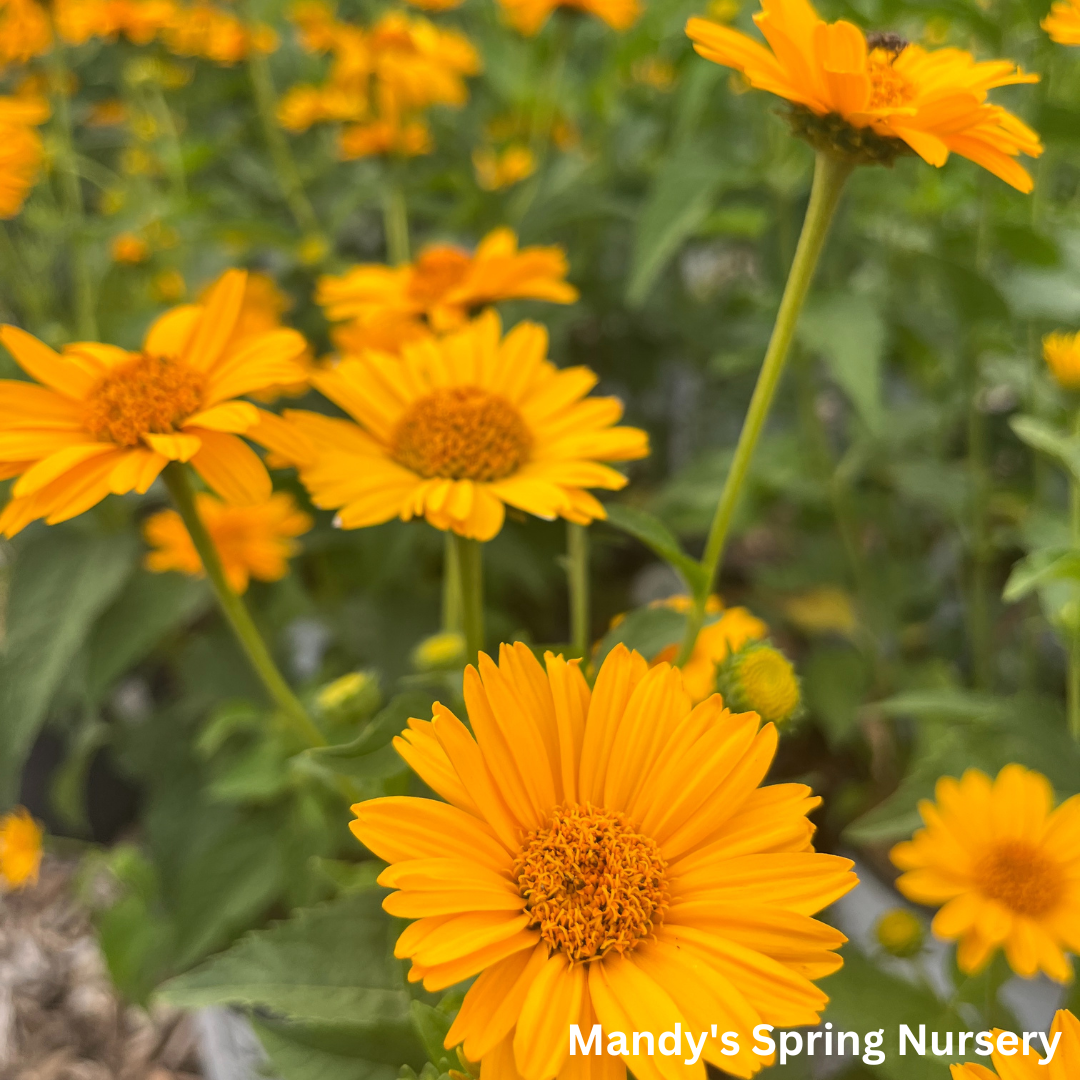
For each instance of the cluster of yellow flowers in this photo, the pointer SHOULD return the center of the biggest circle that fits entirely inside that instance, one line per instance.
(21, 150)
(380, 81)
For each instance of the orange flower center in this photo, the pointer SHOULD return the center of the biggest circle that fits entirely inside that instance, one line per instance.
(889, 89)
(436, 272)
(145, 394)
(462, 433)
(1020, 877)
(591, 883)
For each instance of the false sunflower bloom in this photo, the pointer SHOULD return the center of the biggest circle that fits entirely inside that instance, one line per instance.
(529, 16)
(870, 97)
(440, 289)
(25, 31)
(21, 150)
(20, 849)
(251, 541)
(458, 428)
(1063, 22)
(1062, 355)
(104, 420)
(607, 857)
(1004, 866)
(1065, 1065)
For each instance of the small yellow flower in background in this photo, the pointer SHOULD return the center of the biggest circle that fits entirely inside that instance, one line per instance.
(723, 11)
(529, 16)
(824, 610)
(21, 150)
(499, 169)
(457, 429)
(20, 849)
(1062, 355)
(655, 72)
(135, 161)
(871, 97)
(440, 651)
(107, 421)
(760, 678)
(900, 933)
(1004, 866)
(107, 113)
(129, 248)
(1015, 1066)
(168, 286)
(400, 305)
(215, 33)
(411, 138)
(1063, 22)
(603, 856)
(436, 5)
(716, 641)
(252, 541)
(350, 697)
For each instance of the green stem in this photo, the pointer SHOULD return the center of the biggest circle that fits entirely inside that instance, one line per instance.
(71, 194)
(472, 594)
(1073, 695)
(577, 575)
(178, 481)
(981, 550)
(396, 219)
(165, 119)
(451, 591)
(830, 174)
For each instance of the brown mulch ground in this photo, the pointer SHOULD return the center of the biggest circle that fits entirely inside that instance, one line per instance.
(60, 1018)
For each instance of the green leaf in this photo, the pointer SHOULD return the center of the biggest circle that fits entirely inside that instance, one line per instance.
(432, 1026)
(1042, 436)
(60, 583)
(836, 680)
(1040, 568)
(679, 200)
(646, 630)
(656, 536)
(849, 334)
(294, 1057)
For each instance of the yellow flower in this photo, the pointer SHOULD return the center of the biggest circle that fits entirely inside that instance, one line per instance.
(529, 16)
(409, 139)
(1062, 355)
(823, 610)
(716, 641)
(871, 97)
(608, 857)
(24, 31)
(457, 429)
(129, 248)
(1063, 22)
(20, 849)
(498, 169)
(252, 541)
(107, 112)
(442, 287)
(353, 694)
(445, 650)
(105, 420)
(900, 933)
(655, 72)
(214, 33)
(1065, 1066)
(1004, 865)
(21, 150)
(140, 21)
(760, 678)
(168, 286)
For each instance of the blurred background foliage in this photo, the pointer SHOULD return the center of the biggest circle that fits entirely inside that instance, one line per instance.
(889, 502)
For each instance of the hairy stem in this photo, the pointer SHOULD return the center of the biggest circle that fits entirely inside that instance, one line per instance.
(577, 575)
(472, 594)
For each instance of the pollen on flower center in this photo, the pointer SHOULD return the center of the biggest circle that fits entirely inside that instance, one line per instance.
(591, 883)
(1020, 877)
(889, 89)
(462, 433)
(436, 272)
(146, 394)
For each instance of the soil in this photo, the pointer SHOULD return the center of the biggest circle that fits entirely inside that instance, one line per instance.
(60, 1016)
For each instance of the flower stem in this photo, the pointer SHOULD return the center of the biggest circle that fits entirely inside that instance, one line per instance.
(396, 219)
(830, 174)
(71, 195)
(577, 575)
(472, 594)
(451, 591)
(178, 481)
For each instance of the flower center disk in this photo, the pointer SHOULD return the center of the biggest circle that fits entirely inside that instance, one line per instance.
(591, 883)
(147, 394)
(462, 433)
(889, 89)
(1021, 878)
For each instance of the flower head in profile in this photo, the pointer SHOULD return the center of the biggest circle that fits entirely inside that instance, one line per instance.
(871, 97)
(529, 16)
(21, 150)
(99, 420)
(1065, 1065)
(1063, 22)
(1062, 355)
(1004, 867)
(604, 856)
(251, 541)
(440, 289)
(20, 849)
(459, 428)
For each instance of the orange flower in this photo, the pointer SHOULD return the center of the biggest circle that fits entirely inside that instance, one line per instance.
(129, 248)
(252, 541)
(20, 849)
(214, 33)
(410, 139)
(107, 421)
(24, 31)
(140, 21)
(870, 98)
(21, 150)
(529, 16)
(498, 169)
(443, 286)
(1063, 22)
(1062, 355)
(1064, 1036)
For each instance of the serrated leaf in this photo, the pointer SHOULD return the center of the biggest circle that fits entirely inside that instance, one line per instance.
(656, 536)
(1040, 435)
